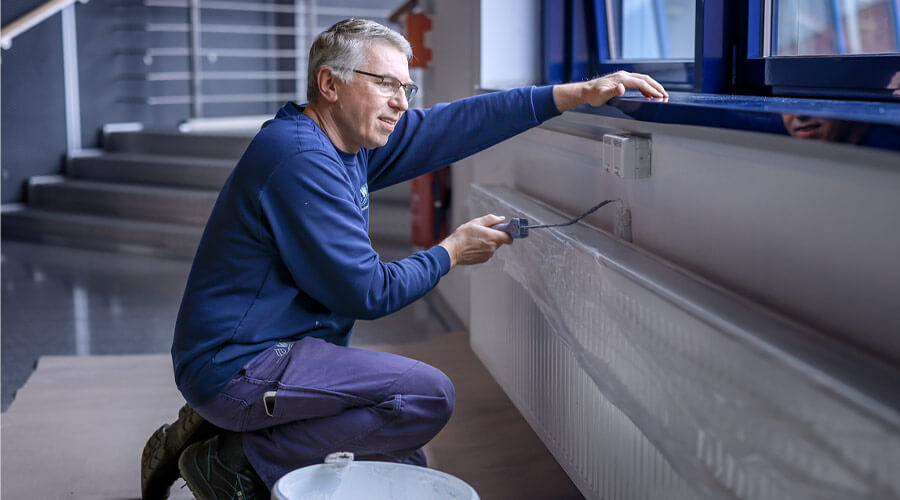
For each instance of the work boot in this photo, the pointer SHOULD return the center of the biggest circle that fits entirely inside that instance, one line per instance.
(159, 461)
(217, 469)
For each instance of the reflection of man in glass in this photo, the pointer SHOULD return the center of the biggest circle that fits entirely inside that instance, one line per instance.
(826, 129)
(894, 84)
(823, 129)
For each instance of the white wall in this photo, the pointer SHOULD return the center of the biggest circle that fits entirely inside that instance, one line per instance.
(454, 41)
(510, 43)
(805, 228)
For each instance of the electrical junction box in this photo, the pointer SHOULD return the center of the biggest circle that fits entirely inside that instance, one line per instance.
(626, 156)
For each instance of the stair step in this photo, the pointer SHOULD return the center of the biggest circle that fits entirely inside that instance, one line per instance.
(390, 225)
(167, 142)
(100, 233)
(134, 168)
(130, 201)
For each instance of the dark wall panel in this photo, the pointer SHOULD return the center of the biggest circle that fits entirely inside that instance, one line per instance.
(33, 102)
(113, 71)
(100, 69)
(34, 114)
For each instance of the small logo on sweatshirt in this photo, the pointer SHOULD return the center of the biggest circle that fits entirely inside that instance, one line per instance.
(283, 348)
(364, 197)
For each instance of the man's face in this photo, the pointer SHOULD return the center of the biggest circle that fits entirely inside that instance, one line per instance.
(365, 116)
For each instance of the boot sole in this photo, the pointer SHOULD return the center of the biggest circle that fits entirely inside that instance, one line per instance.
(159, 471)
(210, 479)
(190, 470)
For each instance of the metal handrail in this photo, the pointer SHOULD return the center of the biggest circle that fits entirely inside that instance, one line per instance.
(213, 99)
(32, 19)
(281, 8)
(234, 29)
(210, 53)
(170, 76)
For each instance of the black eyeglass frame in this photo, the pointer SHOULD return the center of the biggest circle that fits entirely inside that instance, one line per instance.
(409, 89)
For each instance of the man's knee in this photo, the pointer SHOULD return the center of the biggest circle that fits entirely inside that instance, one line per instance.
(428, 396)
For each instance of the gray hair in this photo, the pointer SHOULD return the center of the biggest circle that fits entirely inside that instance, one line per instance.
(342, 48)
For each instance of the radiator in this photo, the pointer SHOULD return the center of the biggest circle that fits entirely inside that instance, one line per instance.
(645, 381)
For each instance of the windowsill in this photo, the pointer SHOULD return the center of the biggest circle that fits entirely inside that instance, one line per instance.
(864, 123)
(871, 124)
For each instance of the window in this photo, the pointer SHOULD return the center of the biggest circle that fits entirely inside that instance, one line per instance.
(837, 48)
(679, 42)
(651, 29)
(829, 48)
(834, 27)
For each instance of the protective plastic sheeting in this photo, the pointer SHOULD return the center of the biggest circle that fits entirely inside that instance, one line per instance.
(646, 381)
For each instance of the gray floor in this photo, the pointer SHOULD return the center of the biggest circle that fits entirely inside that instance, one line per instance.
(65, 301)
(75, 302)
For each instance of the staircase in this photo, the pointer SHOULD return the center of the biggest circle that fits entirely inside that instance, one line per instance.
(146, 192)
(151, 192)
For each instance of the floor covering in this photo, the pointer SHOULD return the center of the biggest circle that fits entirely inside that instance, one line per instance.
(78, 425)
(100, 325)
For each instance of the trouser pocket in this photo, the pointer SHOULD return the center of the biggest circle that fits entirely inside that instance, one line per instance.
(269, 402)
(301, 403)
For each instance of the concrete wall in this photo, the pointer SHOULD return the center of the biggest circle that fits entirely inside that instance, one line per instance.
(33, 105)
(112, 67)
(454, 41)
(510, 32)
(799, 226)
(805, 228)
(33, 111)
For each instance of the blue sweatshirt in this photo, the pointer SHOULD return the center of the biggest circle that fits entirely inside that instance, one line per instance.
(286, 252)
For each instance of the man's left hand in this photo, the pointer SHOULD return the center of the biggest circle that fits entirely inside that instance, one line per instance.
(598, 91)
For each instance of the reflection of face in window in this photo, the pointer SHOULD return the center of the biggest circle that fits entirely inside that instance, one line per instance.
(894, 84)
(823, 129)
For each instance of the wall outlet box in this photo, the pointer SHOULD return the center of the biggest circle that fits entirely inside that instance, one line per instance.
(626, 156)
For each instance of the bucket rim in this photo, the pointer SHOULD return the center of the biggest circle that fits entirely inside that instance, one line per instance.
(368, 464)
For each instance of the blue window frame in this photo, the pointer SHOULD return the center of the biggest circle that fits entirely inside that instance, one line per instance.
(577, 45)
(840, 66)
(758, 47)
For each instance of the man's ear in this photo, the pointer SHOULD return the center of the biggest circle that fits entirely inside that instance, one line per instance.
(327, 84)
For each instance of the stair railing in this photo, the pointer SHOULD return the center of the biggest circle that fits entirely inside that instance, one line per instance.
(204, 55)
(70, 58)
(32, 19)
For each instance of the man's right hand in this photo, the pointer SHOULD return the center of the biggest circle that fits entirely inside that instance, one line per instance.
(474, 242)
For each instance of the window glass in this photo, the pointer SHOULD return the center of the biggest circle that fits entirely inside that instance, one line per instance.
(651, 29)
(834, 27)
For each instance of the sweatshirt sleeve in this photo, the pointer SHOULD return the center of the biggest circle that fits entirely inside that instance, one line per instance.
(309, 210)
(429, 139)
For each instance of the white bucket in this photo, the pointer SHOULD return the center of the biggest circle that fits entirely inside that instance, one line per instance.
(340, 478)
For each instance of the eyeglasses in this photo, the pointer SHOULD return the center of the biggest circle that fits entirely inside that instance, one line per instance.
(388, 85)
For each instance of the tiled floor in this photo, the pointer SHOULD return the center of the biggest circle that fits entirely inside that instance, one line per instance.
(58, 300)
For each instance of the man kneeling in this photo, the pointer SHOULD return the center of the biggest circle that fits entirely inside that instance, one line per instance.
(285, 267)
